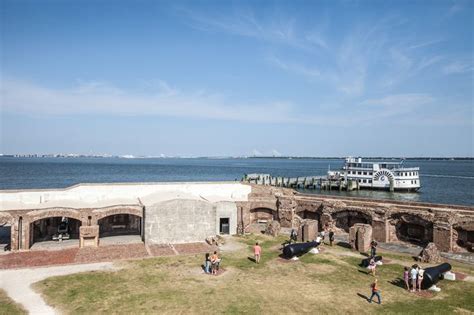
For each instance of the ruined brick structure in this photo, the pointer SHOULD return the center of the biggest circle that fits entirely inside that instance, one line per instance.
(450, 227)
(185, 212)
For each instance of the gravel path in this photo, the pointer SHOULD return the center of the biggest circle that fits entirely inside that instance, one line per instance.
(17, 283)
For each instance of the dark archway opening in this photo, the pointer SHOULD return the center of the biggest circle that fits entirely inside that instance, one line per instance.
(54, 229)
(465, 239)
(346, 219)
(413, 229)
(120, 224)
(5, 237)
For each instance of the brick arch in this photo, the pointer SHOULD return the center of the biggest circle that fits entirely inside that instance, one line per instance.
(262, 213)
(106, 212)
(36, 215)
(264, 205)
(41, 214)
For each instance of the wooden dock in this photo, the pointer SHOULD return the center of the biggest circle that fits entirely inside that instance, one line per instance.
(306, 182)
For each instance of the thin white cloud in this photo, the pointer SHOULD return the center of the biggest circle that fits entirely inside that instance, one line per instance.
(425, 44)
(397, 105)
(103, 98)
(458, 67)
(400, 100)
(245, 23)
(318, 39)
(98, 98)
(294, 67)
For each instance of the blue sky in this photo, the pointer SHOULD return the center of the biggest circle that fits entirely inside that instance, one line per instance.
(310, 78)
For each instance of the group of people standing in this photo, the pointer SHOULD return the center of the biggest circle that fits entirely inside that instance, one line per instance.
(413, 276)
(211, 263)
(322, 236)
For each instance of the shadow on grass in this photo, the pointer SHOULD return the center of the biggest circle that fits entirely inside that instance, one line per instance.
(344, 245)
(363, 271)
(251, 259)
(399, 282)
(365, 297)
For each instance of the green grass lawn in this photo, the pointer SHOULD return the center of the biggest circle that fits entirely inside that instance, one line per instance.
(8, 307)
(329, 282)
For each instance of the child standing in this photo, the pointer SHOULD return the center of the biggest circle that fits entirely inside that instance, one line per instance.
(257, 250)
(372, 266)
(406, 278)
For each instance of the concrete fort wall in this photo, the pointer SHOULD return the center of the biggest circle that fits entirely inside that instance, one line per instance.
(179, 221)
(165, 212)
(183, 221)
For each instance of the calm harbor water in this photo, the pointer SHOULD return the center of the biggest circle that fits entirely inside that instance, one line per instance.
(449, 182)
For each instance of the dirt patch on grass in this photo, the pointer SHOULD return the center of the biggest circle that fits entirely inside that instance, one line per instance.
(460, 276)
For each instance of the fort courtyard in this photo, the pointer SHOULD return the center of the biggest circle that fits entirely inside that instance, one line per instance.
(139, 248)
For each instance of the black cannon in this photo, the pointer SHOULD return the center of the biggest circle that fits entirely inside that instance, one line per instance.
(432, 275)
(366, 262)
(298, 249)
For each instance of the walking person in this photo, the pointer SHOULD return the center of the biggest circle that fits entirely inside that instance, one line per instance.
(375, 292)
(413, 276)
(331, 237)
(257, 250)
(406, 278)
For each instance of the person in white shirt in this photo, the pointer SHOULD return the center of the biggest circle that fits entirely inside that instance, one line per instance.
(413, 275)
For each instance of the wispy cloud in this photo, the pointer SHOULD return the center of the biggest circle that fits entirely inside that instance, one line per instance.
(458, 67)
(395, 105)
(104, 98)
(99, 98)
(245, 23)
(425, 44)
(406, 101)
(294, 67)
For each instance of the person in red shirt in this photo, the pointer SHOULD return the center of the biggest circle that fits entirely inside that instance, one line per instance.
(375, 292)
(257, 250)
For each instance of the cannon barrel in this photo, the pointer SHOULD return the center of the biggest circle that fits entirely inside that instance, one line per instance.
(298, 249)
(365, 262)
(432, 275)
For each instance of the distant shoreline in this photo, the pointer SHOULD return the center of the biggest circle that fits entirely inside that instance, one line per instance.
(32, 156)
